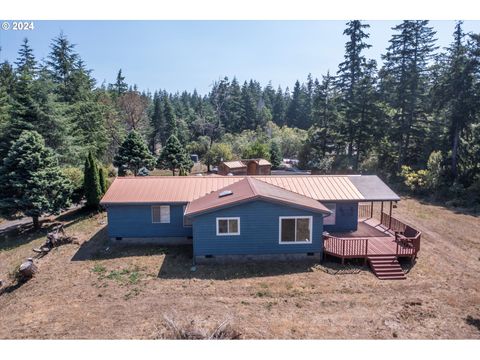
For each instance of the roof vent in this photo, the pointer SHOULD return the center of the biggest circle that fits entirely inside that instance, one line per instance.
(225, 193)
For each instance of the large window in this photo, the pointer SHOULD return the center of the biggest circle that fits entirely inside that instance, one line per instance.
(295, 229)
(228, 226)
(161, 214)
(330, 219)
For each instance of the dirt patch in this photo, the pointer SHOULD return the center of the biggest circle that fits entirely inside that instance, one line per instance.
(103, 291)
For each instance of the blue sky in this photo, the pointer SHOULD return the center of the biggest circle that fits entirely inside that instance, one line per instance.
(184, 55)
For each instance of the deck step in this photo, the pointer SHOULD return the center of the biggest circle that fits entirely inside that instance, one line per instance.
(386, 267)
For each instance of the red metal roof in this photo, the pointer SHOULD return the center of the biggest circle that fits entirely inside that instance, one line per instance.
(184, 189)
(251, 188)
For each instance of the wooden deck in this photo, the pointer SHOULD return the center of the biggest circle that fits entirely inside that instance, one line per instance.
(369, 240)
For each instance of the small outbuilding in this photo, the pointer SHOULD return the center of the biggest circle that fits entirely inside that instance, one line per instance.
(245, 167)
(232, 167)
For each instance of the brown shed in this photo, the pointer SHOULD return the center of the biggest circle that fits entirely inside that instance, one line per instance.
(232, 167)
(258, 167)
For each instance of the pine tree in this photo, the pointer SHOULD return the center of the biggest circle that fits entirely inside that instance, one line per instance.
(174, 157)
(32, 182)
(275, 155)
(133, 154)
(91, 182)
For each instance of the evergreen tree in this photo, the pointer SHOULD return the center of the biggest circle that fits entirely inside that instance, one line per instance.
(455, 93)
(33, 105)
(62, 63)
(349, 74)
(174, 157)
(235, 109)
(92, 185)
(133, 154)
(275, 155)
(32, 182)
(278, 112)
(120, 86)
(157, 122)
(325, 112)
(295, 109)
(405, 83)
(249, 110)
(103, 179)
(171, 127)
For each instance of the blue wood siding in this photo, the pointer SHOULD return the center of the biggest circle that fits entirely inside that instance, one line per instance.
(259, 231)
(346, 217)
(136, 221)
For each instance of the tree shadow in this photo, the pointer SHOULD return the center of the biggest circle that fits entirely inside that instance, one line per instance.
(177, 264)
(99, 247)
(11, 288)
(475, 322)
(21, 234)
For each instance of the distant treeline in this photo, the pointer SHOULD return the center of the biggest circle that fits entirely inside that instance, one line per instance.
(415, 120)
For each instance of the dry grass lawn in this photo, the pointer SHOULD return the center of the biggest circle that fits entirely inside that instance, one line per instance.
(97, 290)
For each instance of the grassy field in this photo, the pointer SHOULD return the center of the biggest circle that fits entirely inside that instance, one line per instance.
(96, 290)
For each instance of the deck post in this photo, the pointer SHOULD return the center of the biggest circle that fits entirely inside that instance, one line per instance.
(390, 220)
(381, 212)
(371, 210)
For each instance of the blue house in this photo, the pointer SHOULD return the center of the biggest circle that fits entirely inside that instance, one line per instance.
(239, 215)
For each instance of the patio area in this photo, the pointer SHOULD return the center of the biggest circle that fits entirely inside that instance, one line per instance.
(373, 238)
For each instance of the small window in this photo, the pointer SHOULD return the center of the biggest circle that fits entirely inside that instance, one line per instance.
(228, 226)
(330, 219)
(187, 221)
(295, 229)
(161, 214)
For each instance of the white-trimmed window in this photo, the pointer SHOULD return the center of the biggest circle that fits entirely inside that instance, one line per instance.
(330, 219)
(161, 214)
(295, 229)
(228, 226)
(187, 221)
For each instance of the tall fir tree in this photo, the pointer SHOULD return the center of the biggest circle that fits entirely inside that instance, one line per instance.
(120, 87)
(405, 86)
(349, 74)
(133, 154)
(32, 182)
(174, 157)
(455, 93)
(171, 126)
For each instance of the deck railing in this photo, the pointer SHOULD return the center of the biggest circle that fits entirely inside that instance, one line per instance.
(344, 247)
(392, 223)
(365, 211)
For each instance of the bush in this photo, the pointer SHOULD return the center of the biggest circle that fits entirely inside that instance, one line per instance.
(416, 181)
(75, 175)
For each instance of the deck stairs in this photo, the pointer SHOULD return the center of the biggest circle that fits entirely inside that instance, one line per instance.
(386, 267)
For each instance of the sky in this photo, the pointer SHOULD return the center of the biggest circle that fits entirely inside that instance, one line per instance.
(188, 55)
